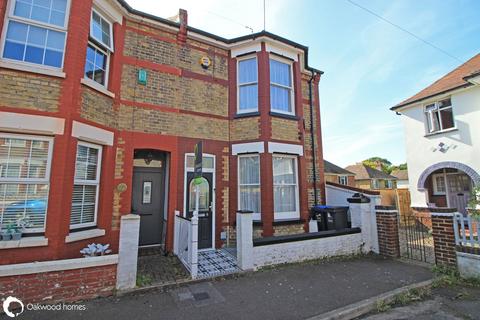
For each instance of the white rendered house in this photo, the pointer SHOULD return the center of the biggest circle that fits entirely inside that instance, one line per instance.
(442, 132)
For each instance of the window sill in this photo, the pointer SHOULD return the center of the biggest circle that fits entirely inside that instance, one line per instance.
(284, 115)
(246, 115)
(283, 216)
(25, 242)
(82, 235)
(97, 87)
(31, 68)
(440, 132)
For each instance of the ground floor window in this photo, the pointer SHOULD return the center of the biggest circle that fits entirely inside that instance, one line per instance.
(285, 187)
(86, 185)
(249, 182)
(24, 179)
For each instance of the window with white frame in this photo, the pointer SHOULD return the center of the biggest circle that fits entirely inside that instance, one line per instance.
(439, 184)
(343, 180)
(389, 184)
(247, 85)
(100, 45)
(36, 32)
(86, 185)
(439, 116)
(285, 186)
(375, 184)
(281, 87)
(249, 182)
(24, 179)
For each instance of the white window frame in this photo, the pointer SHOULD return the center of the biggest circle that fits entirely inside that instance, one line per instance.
(389, 184)
(375, 184)
(9, 16)
(343, 177)
(248, 57)
(435, 190)
(292, 88)
(99, 45)
(45, 180)
(82, 182)
(257, 216)
(429, 116)
(279, 216)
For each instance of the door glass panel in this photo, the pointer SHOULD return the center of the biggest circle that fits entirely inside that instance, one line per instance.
(204, 188)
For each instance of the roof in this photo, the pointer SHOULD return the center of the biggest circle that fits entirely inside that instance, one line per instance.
(363, 172)
(456, 79)
(400, 174)
(252, 36)
(334, 169)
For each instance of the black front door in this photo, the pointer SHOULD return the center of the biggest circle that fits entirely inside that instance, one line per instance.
(148, 198)
(205, 208)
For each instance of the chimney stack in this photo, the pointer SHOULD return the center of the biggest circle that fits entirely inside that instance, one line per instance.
(182, 33)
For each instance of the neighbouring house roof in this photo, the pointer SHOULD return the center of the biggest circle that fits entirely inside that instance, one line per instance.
(331, 168)
(363, 172)
(456, 79)
(400, 174)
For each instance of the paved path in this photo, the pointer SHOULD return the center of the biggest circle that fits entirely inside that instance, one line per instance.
(287, 292)
(445, 304)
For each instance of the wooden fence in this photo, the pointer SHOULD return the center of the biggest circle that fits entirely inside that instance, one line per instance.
(399, 198)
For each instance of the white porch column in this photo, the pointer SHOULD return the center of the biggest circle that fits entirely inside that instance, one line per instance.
(193, 245)
(245, 240)
(363, 215)
(128, 252)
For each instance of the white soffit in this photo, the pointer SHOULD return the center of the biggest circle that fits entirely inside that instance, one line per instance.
(281, 51)
(92, 134)
(251, 147)
(251, 47)
(27, 123)
(276, 147)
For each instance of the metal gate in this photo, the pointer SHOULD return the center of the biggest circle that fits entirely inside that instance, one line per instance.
(416, 240)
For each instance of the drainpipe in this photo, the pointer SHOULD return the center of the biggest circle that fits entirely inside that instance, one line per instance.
(312, 136)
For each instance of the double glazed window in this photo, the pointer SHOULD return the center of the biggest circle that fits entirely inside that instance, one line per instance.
(343, 180)
(36, 32)
(24, 179)
(281, 87)
(100, 46)
(439, 116)
(249, 182)
(247, 85)
(285, 186)
(86, 186)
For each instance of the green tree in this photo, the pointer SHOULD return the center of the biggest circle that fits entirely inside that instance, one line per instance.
(378, 163)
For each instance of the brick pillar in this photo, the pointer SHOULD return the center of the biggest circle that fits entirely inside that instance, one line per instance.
(443, 238)
(244, 239)
(387, 228)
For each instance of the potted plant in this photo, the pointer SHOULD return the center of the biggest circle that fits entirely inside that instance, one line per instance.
(5, 234)
(93, 250)
(474, 203)
(21, 224)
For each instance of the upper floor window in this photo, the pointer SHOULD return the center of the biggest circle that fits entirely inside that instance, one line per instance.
(100, 45)
(389, 184)
(36, 32)
(281, 88)
(247, 85)
(24, 179)
(439, 116)
(375, 184)
(343, 180)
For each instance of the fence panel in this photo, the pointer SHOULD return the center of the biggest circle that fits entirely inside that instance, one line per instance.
(182, 229)
(466, 231)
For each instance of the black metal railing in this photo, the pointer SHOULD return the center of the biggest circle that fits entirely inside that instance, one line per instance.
(416, 240)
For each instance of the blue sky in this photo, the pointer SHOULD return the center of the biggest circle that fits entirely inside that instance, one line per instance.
(369, 65)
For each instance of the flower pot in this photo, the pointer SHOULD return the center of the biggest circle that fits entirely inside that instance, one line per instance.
(16, 236)
(5, 236)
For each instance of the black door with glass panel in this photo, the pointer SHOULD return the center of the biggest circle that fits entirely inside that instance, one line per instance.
(205, 208)
(148, 198)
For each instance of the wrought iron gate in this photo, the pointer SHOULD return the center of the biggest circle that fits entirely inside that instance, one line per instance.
(416, 240)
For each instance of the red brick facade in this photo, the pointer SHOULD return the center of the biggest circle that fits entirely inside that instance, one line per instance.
(444, 239)
(181, 104)
(387, 228)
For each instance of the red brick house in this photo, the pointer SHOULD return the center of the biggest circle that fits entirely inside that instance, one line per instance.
(101, 106)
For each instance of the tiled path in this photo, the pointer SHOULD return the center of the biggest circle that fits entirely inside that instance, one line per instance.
(213, 263)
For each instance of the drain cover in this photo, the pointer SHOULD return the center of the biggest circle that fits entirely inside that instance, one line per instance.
(201, 296)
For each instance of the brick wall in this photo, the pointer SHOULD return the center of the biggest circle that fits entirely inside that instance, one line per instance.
(98, 108)
(61, 286)
(245, 129)
(286, 229)
(444, 238)
(387, 228)
(284, 129)
(28, 91)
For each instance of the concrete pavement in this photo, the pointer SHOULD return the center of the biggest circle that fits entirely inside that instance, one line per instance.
(287, 292)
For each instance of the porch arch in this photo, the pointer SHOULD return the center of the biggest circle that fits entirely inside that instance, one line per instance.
(451, 165)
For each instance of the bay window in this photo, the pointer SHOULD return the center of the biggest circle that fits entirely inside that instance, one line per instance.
(249, 183)
(281, 88)
(285, 187)
(86, 186)
(24, 179)
(36, 32)
(247, 85)
(439, 116)
(100, 46)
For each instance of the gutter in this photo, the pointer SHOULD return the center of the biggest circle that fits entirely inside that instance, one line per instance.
(312, 138)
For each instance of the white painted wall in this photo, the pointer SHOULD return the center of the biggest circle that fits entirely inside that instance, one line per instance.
(464, 143)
